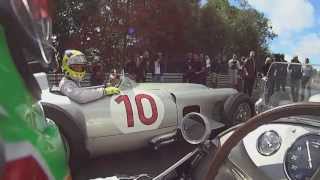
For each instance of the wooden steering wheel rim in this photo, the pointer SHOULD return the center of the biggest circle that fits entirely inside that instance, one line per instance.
(310, 108)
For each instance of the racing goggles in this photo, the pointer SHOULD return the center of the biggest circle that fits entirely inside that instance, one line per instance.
(78, 67)
(77, 59)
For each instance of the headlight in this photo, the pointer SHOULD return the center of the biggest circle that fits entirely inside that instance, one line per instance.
(195, 128)
(268, 143)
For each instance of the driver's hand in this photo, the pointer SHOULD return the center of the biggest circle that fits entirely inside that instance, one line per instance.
(265, 78)
(111, 91)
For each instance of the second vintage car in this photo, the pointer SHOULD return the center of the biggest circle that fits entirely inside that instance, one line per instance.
(142, 114)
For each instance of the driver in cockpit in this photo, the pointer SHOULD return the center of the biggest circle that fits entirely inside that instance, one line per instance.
(74, 65)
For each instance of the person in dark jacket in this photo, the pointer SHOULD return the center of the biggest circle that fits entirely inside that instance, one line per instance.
(266, 66)
(216, 66)
(130, 68)
(307, 72)
(283, 73)
(198, 71)
(140, 69)
(147, 61)
(280, 73)
(187, 68)
(98, 76)
(249, 73)
(295, 77)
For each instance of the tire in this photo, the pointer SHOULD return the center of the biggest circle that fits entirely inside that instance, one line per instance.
(75, 142)
(236, 104)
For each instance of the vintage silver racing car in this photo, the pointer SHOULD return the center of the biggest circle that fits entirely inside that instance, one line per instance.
(143, 114)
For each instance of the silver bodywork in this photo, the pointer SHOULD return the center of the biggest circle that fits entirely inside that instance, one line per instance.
(105, 122)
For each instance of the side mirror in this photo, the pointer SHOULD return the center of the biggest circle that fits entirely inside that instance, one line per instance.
(195, 128)
(35, 67)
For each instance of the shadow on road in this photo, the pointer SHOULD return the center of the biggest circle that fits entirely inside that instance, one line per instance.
(132, 163)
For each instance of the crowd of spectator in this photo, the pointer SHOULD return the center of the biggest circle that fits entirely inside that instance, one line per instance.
(299, 77)
(243, 72)
(196, 67)
(139, 65)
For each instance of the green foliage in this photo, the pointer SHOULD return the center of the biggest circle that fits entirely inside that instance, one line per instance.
(171, 26)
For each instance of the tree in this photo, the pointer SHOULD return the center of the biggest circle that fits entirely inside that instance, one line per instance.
(242, 28)
(212, 30)
(120, 28)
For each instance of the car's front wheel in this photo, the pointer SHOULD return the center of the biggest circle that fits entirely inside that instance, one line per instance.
(238, 108)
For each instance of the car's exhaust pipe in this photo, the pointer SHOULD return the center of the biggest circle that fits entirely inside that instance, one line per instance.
(163, 139)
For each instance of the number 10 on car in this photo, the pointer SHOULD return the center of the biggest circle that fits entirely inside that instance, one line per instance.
(125, 100)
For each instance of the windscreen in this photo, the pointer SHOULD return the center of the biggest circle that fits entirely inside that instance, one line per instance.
(288, 83)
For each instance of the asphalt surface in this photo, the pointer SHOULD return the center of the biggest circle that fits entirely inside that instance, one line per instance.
(143, 161)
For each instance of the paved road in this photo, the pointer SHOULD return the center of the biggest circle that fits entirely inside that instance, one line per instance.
(137, 162)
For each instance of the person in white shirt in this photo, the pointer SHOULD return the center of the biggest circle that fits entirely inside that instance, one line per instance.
(157, 68)
(234, 68)
(208, 63)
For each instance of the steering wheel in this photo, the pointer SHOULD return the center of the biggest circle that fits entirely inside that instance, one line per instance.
(298, 109)
(117, 84)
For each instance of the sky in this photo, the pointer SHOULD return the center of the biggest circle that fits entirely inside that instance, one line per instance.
(297, 24)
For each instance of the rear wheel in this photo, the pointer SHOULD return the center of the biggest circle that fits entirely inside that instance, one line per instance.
(66, 146)
(238, 108)
(71, 134)
(76, 155)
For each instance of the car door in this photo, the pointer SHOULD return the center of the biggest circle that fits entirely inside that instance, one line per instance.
(128, 120)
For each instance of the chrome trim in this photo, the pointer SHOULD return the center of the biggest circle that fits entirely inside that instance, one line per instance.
(163, 137)
(207, 128)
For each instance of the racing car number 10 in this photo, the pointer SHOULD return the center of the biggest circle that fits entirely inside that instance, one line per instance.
(142, 117)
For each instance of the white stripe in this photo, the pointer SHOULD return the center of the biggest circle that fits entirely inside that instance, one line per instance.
(15, 151)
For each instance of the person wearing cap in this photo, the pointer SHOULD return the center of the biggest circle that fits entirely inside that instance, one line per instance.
(74, 67)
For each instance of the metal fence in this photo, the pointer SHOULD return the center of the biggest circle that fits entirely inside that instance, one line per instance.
(213, 79)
